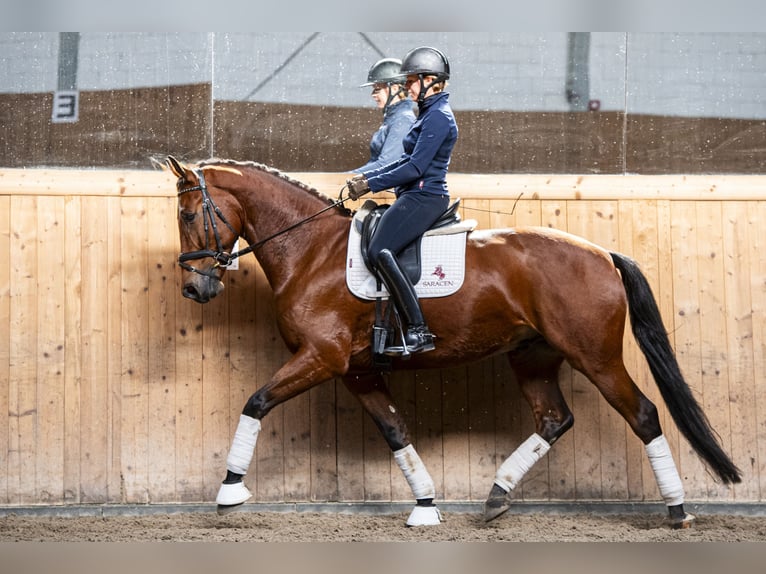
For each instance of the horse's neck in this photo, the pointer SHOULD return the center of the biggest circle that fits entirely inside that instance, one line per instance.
(279, 219)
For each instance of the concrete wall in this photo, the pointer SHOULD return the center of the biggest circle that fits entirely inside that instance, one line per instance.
(672, 74)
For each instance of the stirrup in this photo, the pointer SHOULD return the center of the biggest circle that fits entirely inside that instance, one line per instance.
(423, 342)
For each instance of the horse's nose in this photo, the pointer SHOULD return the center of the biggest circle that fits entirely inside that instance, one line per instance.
(190, 291)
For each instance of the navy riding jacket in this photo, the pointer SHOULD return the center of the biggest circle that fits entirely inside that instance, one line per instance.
(427, 151)
(386, 143)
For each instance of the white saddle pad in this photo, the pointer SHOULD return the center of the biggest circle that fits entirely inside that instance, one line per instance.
(442, 259)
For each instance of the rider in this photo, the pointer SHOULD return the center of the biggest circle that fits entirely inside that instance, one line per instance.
(419, 181)
(398, 113)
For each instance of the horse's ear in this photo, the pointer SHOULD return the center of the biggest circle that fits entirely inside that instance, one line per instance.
(176, 168)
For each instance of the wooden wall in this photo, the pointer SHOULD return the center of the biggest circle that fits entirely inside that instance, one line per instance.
(114, 388)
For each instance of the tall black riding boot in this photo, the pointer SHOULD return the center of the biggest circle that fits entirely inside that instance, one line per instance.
(417, 338)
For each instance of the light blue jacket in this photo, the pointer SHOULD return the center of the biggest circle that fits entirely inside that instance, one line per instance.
(386, 143)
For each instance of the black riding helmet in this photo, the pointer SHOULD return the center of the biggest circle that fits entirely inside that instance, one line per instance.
(425, 61)
(386, 71)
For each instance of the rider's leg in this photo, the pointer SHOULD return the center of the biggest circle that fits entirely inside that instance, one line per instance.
(417, 337)
(407, 218)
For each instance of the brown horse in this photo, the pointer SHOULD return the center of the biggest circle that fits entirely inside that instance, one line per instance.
(538, 295)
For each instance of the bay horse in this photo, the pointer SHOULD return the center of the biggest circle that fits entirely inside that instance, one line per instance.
(538, 295)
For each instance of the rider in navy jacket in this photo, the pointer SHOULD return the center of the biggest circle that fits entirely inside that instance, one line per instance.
(419, 179)
(424, 164)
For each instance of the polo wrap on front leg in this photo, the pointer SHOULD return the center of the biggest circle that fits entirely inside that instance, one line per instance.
(518, 464)
(243, 445)
(665, 472)
(415, 472)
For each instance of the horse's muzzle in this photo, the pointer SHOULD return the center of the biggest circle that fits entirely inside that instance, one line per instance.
(201, 288)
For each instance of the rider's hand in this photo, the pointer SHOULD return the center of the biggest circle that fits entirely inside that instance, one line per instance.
(357, 186)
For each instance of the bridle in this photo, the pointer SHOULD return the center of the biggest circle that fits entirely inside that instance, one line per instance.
(209, 213)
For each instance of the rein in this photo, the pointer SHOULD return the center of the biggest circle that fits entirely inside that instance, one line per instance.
(209, 211)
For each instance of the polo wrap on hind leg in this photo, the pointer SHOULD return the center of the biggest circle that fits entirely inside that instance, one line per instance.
(518, 464)
(243, 445)
(415, 472)
(668, 479)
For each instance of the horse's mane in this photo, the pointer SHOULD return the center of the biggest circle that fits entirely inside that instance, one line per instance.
(272, 171)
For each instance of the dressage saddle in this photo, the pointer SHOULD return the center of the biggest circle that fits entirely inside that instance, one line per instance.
(409, 257)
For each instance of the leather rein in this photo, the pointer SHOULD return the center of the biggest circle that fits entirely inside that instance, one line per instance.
(209, 213)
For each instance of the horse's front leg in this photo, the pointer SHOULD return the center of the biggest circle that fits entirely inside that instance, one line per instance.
(372, 392)
(299, 374)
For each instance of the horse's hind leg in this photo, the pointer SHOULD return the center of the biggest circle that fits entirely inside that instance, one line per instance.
(536, 366)
(617, 387)
(372, 392)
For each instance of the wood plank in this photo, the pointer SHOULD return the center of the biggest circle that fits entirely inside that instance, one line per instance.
(49, 346)
(72, 478)
(114, 231)
(380, 471)
(22, 387)
(455, 444)
(738, 305)
(161, 349)
(5, 345)
(323, 447)
(757, 245)
(215, 392)
(350, 445)
(715, 387)
(161, 183)
(188, 397)
(94, 389)
(687, 329)
(428, 430)
(134, 377)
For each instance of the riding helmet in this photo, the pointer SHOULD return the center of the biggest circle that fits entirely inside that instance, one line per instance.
(385, 71)
(425, 61)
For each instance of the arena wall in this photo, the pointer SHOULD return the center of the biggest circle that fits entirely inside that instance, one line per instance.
(116, 389)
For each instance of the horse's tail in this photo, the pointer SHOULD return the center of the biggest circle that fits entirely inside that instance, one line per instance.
(653, 340)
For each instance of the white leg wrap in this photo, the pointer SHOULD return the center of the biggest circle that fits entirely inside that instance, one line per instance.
(665, 471)
(518, 464)
(243, 445)
(415, 472)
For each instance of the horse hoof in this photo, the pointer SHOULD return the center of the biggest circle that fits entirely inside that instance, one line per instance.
(424, 516)
(680, 523)
(498, 502)
(232, 494)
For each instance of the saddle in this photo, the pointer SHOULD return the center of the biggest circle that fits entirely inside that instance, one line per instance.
(439, 253)
(409, 258)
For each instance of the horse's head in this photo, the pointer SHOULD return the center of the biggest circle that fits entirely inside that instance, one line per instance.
(209, 224)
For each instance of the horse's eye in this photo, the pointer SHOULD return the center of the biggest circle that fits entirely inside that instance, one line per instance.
(188, 216)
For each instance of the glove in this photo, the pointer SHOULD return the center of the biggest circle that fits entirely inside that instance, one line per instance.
(357, 186)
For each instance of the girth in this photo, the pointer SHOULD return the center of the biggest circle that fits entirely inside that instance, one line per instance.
(409, 257)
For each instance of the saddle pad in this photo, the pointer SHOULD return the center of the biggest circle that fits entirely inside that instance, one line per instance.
(443, 263)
